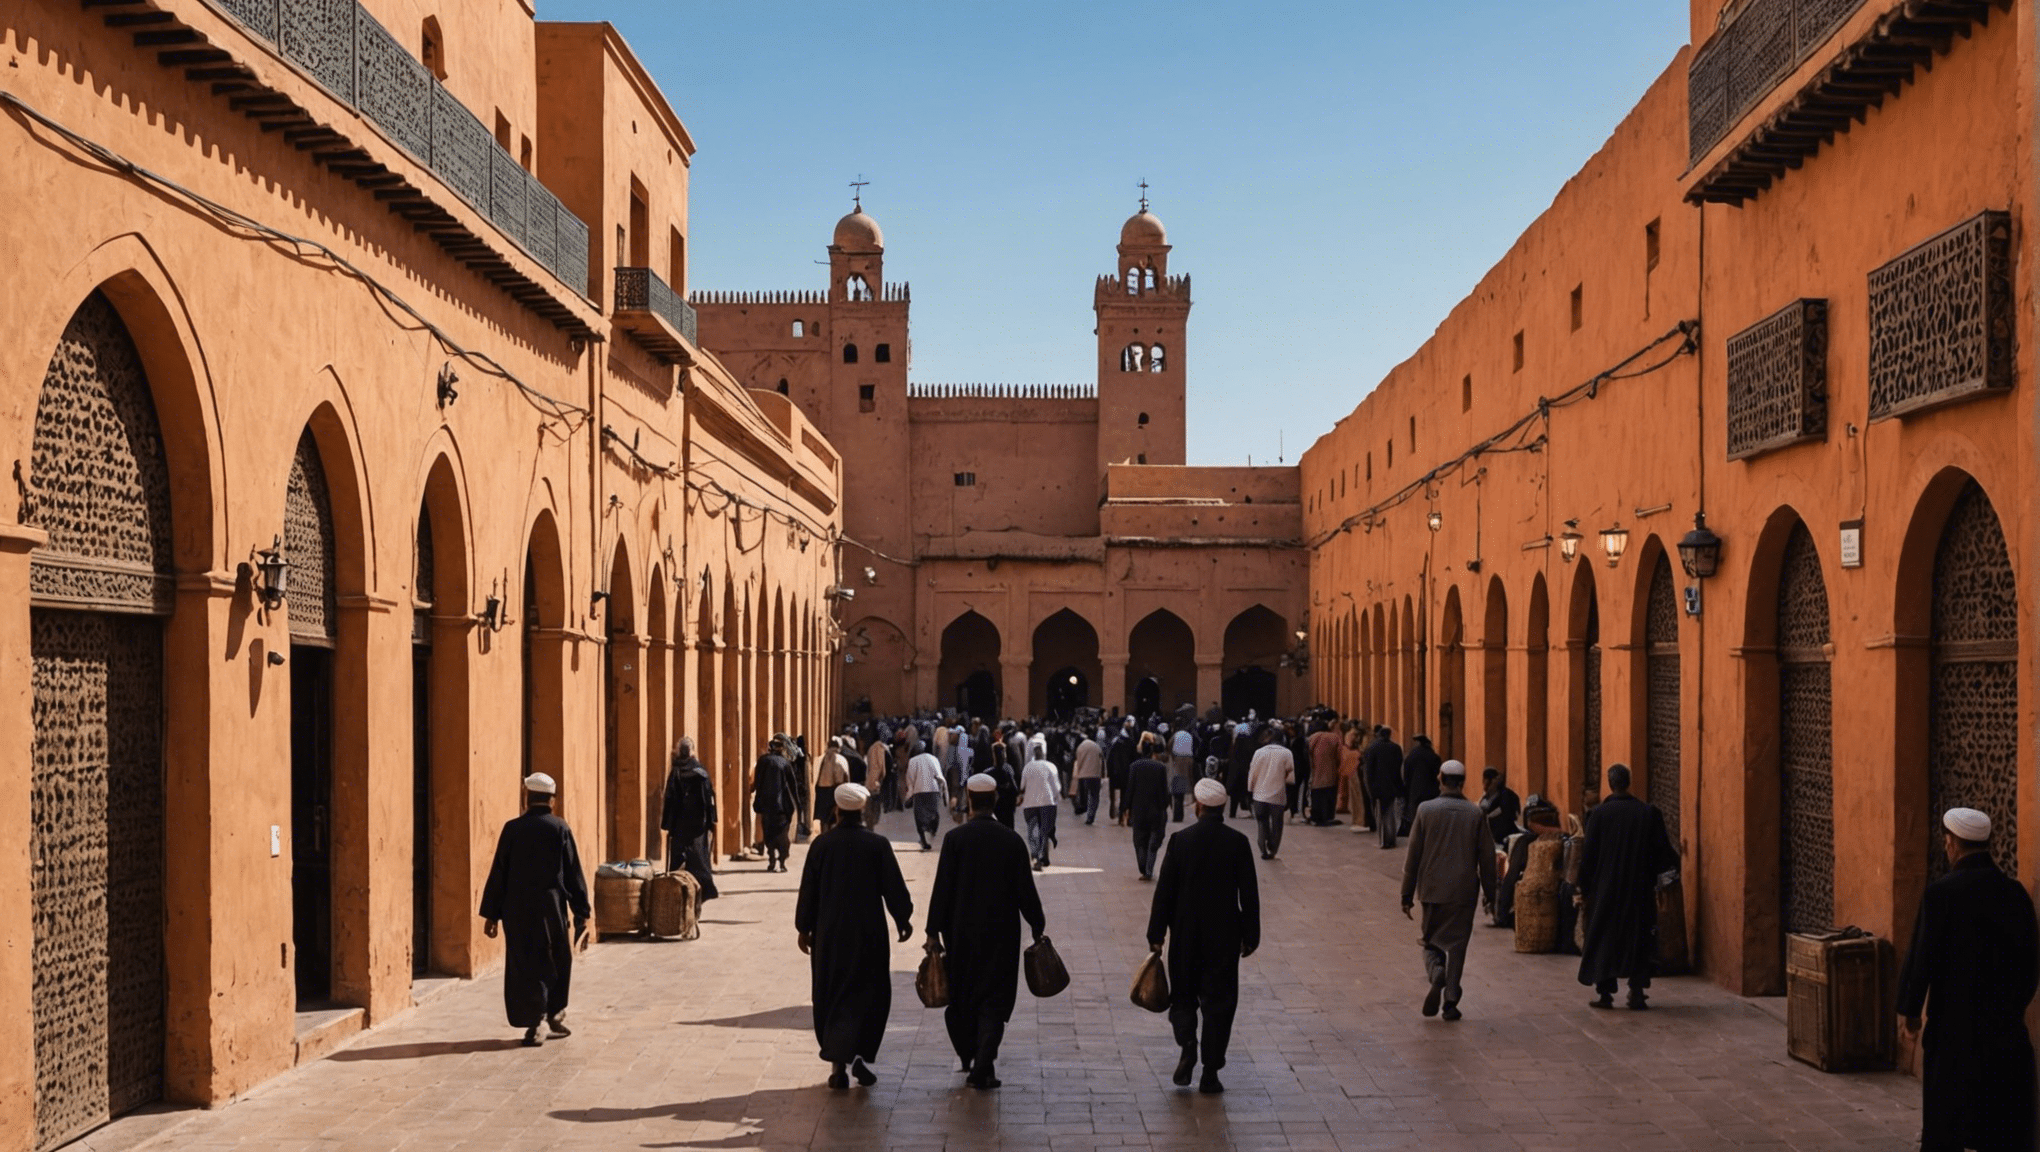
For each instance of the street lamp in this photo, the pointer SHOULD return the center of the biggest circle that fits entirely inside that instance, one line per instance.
(1614, 541)
(272, 575)
(1436, 520)
(1700, 551)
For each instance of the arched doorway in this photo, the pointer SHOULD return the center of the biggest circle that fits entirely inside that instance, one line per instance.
(623, 758)
(310, 546)
(1065, 645)
(1494, 660)
(96, 848)
(1806, 794)
(1067, 691)
(658, 744)
(545, 614)
(1451, 677)
(1583, 665)
(1973, 722)
(1255, 642)
(442, 845)
(970, 663)
(1536, 691)
(1662, 733)
(1161, 666)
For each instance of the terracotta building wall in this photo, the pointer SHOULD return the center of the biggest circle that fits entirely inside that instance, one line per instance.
(246, 348)
(1404, 627)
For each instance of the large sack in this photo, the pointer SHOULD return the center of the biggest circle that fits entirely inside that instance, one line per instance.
(931, 983)
(1151, 984)
(1046, 974)
(672, 900)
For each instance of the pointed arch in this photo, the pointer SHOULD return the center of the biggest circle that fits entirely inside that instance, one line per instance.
(1162, 648)
(657, 663)
(1537, 690)
(969, 667)
(1654, 627)
(1255, 641)
(1451, 677)
(1066, 673)
(1583, 669)
(442, 836)
(1494, 661)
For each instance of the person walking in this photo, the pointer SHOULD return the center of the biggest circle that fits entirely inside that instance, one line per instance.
(1147, 802)
(1086, 770)
(1382, 764)
(984, 887)
(1974, 961)
(1239, 768)
(687, 816)
(848, 883)
(1420, 778)
(1450, 869)
(833, 771)
(534, 882)
(1182, 767)
(1040, 783)
(1207, 907)
(1625, 851)
(772, 798)
(1324, 776)
(926, 791)
(1268, 777)
(879, 778)
(1118, 758)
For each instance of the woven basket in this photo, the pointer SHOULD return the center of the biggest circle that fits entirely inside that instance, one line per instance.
(1537, 897)
(619, 905)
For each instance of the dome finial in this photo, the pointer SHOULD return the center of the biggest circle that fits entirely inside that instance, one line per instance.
(1143, 194)
(857, 193)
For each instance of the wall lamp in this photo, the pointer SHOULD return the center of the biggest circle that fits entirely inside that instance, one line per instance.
(492, 616)
(1435, 520)
(272, 575)
(870, 575)
(1700, 551)
(595, 599)
(1569, 542)
(447, 379)
(1614, 542)
(842, 593)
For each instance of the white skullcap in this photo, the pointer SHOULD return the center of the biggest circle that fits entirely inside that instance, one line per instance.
(1209, 793)
(1967, 824)
(851, 797)
(1244, 729)
(540, 783)
(981, 783)
(1452, 768)
(1162, 728)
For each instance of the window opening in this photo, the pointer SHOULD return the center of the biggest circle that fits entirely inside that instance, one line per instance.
(799, 329)
(1155, 355)
(1413, 433)
(676, 262)
(640, 225)
(856, 287)
(1143, 419)
(1141, 459)
(432, 48)
(1577, 306)
(867, 398)
(1133, 358)
(502, 130)
(882, 354)
(524, 152)
(966, 479)
(1518, 365)
(1147, 280)
(849, 353)
(1466, 394)
(782, 386)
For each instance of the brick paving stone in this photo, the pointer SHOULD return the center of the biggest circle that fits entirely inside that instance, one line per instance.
(706, 1045)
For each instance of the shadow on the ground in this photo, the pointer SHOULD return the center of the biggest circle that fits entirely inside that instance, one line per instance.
(730, 922)
(419, 1051)
(780, 1118)
(793, 1019)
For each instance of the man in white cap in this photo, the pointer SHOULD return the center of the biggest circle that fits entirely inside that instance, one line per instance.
(1450, 867)
(1207, 906)
(1973, 964)
(850, 880)
(533, 883)
(1040, 783)
(1625, 850)
(984, 887)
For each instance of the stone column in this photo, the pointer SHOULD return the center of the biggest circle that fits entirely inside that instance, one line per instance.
(1016, 687)
(1210, 679)
(371, 808)
(1112, 693)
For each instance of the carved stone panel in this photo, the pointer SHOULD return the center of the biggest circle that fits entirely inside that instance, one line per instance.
(258, 15)
(308, 544)
(96, 876)
(1662, 732)
(1973, 725)
(1747, 60)
(395, 89)
(318, 36)
(97, 478)
(507, 185)
(1941, 319)
(1777, 380)
(461, 148)
(1805, 742)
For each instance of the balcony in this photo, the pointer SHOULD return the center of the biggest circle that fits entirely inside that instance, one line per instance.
(349, 55)
(1742, 67)
(649, 310)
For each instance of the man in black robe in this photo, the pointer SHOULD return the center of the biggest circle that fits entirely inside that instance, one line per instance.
(1420, 778)
(1208, 907)
(773, 799)
(1244, 745)
(1626, 849)
(1118, 758)
(1382, 767)
(1147, 798)
(533, 883)
(984, 886)
(1973, 965)
(850, 880)
(688, 817)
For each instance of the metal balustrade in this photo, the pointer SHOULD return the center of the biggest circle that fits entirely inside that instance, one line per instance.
(640, 292)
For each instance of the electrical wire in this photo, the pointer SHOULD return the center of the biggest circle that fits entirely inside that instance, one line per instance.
(1686, 332)
(303, 248)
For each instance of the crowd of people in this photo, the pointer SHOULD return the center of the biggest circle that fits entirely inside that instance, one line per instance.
(1974, 959)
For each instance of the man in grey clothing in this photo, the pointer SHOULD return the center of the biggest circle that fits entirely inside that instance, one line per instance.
(1450, 866)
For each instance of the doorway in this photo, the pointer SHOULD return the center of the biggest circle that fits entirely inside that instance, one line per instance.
(1068, 690)
(311, 821)
(978, 695)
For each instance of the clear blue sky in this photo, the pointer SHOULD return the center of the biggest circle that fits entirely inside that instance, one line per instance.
(1334, 175)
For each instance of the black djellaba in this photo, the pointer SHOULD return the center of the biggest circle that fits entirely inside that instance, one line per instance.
(850, 880)
(984, 886)
(534, 882)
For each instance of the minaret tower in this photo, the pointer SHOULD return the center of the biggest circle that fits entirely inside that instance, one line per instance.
(1143, 314)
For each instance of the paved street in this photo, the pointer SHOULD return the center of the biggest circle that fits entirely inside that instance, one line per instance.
(706, 1045)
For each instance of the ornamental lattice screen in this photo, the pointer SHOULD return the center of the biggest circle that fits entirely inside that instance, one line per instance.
(1973, 726)
(1806, 791)
(1661, 711)
(99, 485)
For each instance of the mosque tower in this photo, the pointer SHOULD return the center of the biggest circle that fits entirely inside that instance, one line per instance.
(1143, 317)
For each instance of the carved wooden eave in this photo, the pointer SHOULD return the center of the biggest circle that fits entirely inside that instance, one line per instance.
(1858, 77)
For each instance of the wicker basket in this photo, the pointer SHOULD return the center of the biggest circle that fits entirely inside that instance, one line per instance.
(1537, 897)
(619, 905)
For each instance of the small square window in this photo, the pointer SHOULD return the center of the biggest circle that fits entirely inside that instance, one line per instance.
(1518, 366)
(966, 479)
(867, 397)
(1578, 306)
(1466, 394)
(882, 354)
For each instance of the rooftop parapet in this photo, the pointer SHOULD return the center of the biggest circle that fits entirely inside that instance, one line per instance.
(1002, 392)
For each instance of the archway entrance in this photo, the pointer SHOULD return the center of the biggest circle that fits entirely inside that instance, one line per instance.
(309, 545)
(96, 794)
(1065, 644)
(1161, 666)
(1662, 729)
(1147, 697)
(1255, 643)
(1067, 691)
(970, 663)
(1974, 719)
